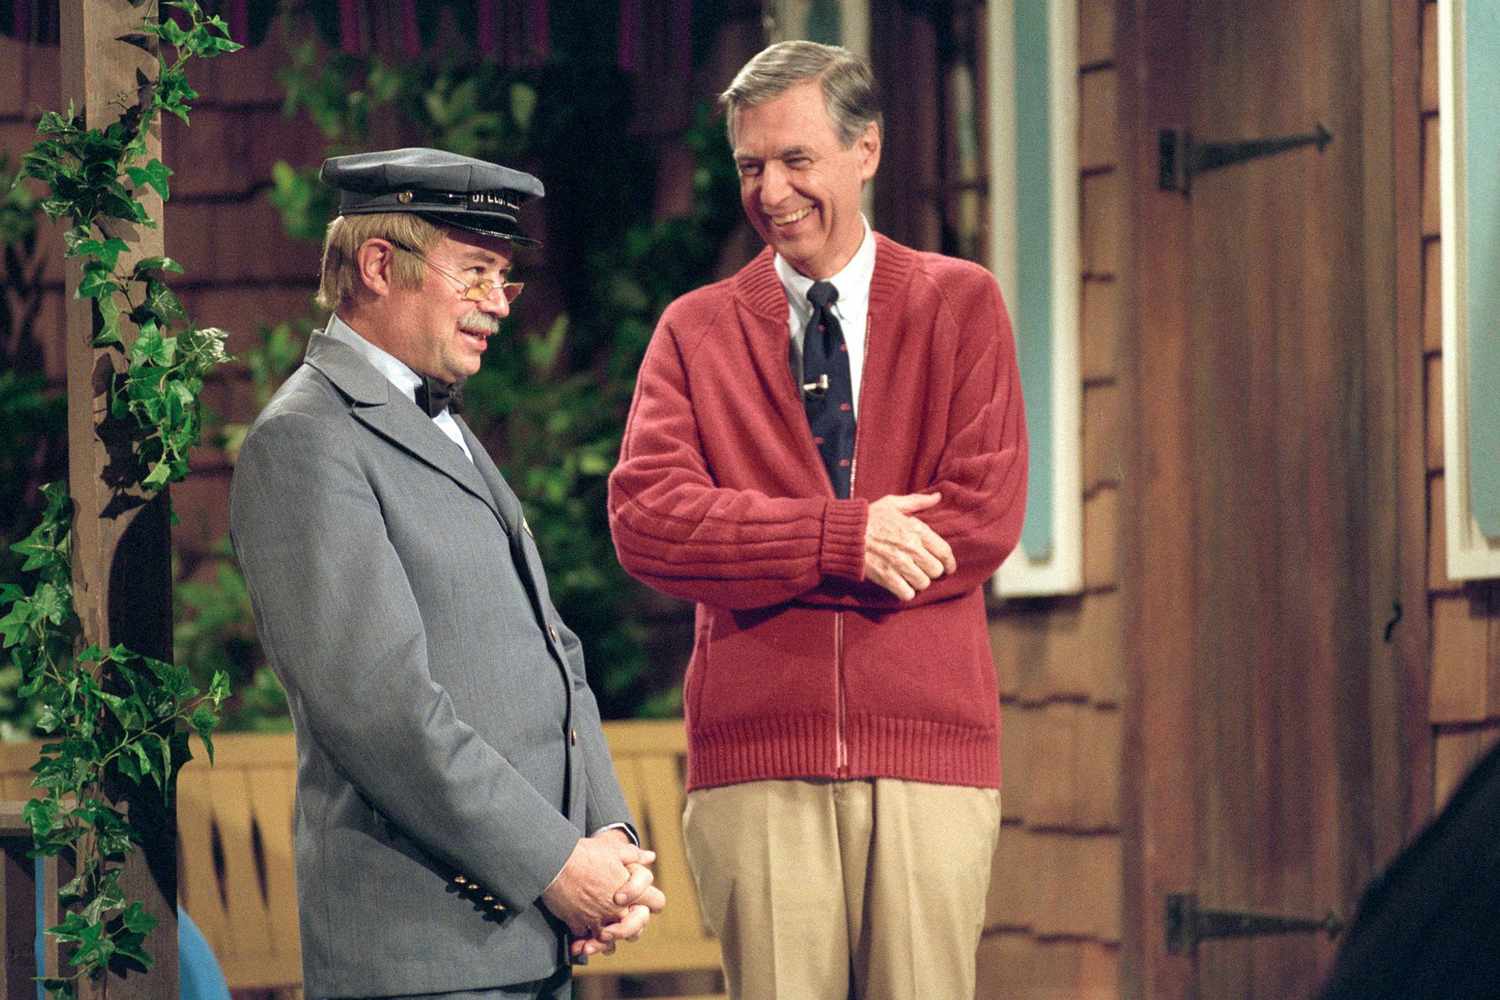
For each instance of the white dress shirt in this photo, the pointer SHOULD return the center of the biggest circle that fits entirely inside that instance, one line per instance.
(852, 307)
(400, 374)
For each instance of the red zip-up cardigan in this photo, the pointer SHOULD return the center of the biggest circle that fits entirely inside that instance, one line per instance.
(800, 669)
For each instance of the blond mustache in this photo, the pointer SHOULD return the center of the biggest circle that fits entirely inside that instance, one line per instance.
(478, 322)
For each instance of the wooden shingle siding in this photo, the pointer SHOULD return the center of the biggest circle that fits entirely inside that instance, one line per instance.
(1101, 515)
(1048, 970)
(1101, 436)
(1100, 335)
(1429, 59)
(1432, 297)
(1464, 685)
(1454, 752)
(1097, 806)
(1103, 223)
(1437, 540)
(1431, 220)
(1464, 691)
(1098, 133)
(1432, 379)
(1054, 911)
(1096, 32)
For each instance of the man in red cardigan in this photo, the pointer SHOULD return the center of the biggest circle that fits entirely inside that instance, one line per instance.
(827, 452)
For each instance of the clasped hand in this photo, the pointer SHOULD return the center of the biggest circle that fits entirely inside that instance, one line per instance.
(604, 892)
(903, 554)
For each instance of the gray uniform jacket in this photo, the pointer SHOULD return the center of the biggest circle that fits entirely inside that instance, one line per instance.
(444, 725)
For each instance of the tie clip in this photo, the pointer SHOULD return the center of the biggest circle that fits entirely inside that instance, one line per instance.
(817, 388)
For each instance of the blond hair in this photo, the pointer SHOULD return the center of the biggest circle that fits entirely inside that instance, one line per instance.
(347, 233)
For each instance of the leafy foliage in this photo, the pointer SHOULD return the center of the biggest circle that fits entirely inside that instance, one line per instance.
(33, 448)
(95, 175)
(119, 720)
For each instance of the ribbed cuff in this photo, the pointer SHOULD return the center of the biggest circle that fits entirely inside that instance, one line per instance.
(843, 550)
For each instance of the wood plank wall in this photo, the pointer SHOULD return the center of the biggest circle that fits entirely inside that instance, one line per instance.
(1053, 926)
(1464, 703)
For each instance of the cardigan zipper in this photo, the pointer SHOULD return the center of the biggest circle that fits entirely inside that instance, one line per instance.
(841, 761)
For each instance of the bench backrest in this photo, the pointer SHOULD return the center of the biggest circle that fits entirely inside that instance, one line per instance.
(234, 823)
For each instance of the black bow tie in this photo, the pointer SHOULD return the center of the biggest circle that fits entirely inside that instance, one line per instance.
(434, 396)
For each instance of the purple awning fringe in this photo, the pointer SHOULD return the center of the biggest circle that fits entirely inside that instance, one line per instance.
(411, 34)
(682, 38)
(540, 31)
(20, 21)
(349, 35)
(484, 26)
(630, 29)
(239, 21)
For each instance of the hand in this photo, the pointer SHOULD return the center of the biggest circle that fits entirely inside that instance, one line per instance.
(902, 554)
(584, 894)
(647, 904)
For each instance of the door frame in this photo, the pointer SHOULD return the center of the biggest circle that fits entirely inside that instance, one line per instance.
(1160, 834)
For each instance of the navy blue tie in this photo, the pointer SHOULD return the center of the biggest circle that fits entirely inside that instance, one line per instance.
(827, 390)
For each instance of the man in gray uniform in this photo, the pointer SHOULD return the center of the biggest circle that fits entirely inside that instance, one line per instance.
(459, 826)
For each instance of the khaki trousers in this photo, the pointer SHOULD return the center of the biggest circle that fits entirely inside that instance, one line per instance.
(827, 890)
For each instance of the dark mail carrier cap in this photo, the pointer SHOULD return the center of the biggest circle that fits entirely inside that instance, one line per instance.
(446, 188)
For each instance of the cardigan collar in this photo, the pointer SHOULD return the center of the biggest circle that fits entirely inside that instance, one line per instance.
(759, 286)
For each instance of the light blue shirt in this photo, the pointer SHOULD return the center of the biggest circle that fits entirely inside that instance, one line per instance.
(397, 371)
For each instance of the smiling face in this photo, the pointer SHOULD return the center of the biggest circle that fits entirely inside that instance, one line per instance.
(432, 327)
(800, 186)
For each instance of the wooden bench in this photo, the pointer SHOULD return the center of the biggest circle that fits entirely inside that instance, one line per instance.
(234, 824)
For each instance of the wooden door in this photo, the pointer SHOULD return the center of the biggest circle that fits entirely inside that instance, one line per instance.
(1263, 769)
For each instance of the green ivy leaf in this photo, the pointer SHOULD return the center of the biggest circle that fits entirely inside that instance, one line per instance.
(137, 920)
(170, 32)
(203, 721)
(159, 476)
(155, 173)
(106, 252)
(163, 301)
(109, 322)
(151, 348)
(148, 265)
(40, 815)
(97, 281)
(15, 625)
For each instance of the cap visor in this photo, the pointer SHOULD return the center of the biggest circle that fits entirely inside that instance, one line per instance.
(473, 226)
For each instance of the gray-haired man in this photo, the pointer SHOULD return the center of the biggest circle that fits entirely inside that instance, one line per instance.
(835, 516)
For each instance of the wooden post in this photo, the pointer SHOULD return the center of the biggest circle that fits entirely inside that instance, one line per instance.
(122, 580)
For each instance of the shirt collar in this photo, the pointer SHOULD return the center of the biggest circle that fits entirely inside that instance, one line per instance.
(853, 282)
(393, 368)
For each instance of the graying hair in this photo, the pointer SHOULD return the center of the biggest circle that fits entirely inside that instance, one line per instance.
(849, 91)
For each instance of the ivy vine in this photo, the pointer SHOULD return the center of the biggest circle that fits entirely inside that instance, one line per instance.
(113, 716)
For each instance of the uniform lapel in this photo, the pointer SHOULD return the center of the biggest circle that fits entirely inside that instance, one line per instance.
(506, 501)
(527, 559)
(375, 403)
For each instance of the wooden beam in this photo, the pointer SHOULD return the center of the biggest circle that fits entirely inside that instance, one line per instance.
(1157, 583)
(122, 582)
(1412, 635)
